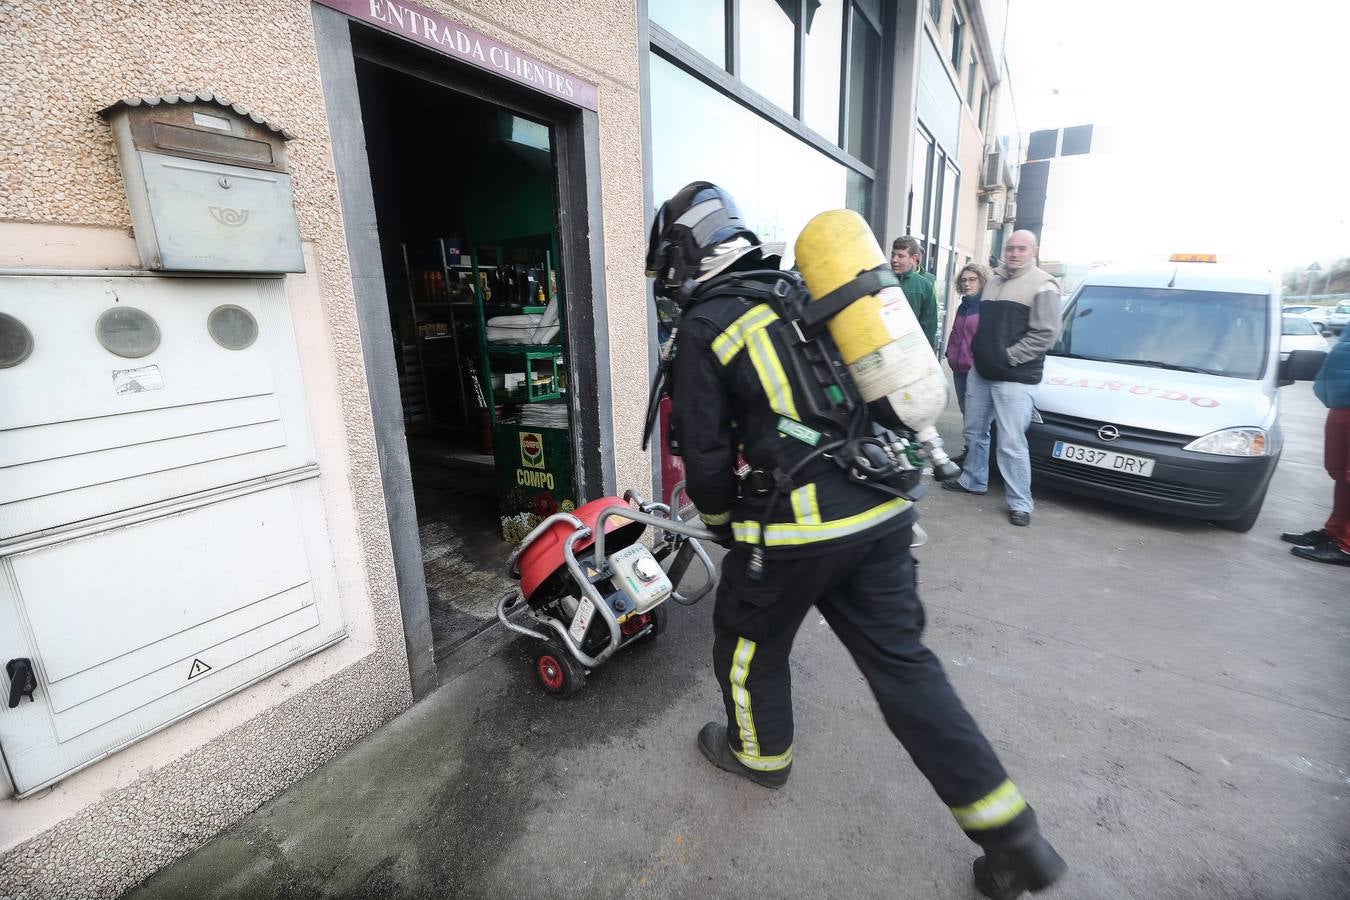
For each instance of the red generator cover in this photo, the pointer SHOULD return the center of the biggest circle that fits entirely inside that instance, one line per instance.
(543, 558)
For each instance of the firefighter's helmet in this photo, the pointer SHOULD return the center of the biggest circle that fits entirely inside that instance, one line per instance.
(696, 234)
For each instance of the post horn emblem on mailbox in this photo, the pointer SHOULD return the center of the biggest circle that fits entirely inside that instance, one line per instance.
(182, 154)
(231, 218)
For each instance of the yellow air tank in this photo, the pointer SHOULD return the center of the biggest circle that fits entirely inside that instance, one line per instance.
(879, 338)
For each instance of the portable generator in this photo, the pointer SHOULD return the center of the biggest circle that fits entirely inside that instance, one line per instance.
(593, 586)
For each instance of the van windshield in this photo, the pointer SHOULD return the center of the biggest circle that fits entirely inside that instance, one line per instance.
(1194, 331)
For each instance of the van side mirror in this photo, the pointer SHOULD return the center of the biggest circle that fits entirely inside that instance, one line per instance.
(1302, 365)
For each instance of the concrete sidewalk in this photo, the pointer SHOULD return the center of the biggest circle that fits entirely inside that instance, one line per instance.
(1171, 697)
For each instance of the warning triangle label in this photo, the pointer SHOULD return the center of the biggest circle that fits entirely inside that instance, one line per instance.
(198, 668)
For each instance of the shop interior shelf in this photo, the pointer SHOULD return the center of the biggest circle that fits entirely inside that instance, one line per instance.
(543, 350)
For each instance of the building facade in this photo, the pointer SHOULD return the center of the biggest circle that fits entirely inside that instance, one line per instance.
(305, 312)
(959, 183)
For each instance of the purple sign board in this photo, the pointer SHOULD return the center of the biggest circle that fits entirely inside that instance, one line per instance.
(437, 32)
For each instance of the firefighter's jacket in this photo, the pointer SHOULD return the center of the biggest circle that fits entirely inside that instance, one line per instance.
(732, 394)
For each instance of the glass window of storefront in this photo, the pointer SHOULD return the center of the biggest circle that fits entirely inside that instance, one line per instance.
(699, 23)
(817, 62)
(935, 185)
(824, 30)
(949, 194)
(778, 180)
(768, 30)
(946, 239)
(920, 188)
(958, 35)
(788, 121)
(864, 80)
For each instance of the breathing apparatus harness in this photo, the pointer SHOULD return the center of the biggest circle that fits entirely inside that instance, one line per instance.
(853, 440)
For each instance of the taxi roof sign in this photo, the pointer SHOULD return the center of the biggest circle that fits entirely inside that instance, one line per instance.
(1193, 257)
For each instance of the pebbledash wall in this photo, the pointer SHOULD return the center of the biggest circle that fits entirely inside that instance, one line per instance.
(63, 206)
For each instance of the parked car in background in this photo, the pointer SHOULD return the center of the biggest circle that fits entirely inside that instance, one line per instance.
(1297, 333)
(1339, 317)
(1319, 316)
(1162, 392)
(1298, 309)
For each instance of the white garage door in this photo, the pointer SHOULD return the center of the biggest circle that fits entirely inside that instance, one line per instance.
(162, 535)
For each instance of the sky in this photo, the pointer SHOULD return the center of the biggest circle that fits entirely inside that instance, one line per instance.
(1220, 126)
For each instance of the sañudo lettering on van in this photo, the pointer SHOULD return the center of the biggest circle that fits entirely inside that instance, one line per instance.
(1139, 390)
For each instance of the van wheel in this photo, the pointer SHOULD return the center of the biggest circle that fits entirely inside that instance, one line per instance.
(1243, 523)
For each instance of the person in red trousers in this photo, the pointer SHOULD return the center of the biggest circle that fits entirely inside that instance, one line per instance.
(1331, 543)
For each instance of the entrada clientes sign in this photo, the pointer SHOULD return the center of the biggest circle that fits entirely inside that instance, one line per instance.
(439, 33)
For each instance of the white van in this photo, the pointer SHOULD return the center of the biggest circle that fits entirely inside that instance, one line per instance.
(1162, 392)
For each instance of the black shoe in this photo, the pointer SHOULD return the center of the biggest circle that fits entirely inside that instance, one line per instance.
(1307, 539)
(1325, 553)
(1019, 517)
(712, 740)
(960, 458)
(1005, 874)
(955, 485)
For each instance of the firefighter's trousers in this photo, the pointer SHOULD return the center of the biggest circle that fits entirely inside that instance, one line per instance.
(867, 594)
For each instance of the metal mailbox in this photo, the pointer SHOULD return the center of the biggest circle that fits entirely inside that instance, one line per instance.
(207, 184)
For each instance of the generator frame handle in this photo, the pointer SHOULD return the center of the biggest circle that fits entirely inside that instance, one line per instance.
(580, 533)
(513, 561)
(677, 526)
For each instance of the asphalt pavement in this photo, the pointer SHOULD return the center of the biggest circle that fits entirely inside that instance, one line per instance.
(1170, 696)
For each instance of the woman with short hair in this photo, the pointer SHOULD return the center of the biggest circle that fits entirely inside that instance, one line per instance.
(970, 281)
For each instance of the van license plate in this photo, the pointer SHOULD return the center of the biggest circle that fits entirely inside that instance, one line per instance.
(1104, 459)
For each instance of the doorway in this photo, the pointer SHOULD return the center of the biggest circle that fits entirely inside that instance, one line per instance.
(344, 44)
(466, 205)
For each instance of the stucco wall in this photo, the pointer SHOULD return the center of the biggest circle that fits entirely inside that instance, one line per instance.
(65, 60)
(971, 213)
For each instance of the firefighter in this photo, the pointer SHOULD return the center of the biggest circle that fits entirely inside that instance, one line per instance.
(822, 539)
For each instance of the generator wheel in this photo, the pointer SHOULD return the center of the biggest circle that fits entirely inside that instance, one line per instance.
(559, 674)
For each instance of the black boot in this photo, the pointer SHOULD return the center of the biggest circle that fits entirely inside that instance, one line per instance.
(712, 740)
(1029, 865)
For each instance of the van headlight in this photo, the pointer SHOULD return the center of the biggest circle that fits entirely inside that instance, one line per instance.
(1036, 416)
(1233, 442)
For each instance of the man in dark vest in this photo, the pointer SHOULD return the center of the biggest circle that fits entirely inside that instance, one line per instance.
(1019, 321)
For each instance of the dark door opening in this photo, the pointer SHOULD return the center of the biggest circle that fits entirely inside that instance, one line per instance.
(466, 195)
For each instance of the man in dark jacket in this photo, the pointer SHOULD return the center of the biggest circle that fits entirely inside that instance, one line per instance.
(1019, 320)
(824, 540)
